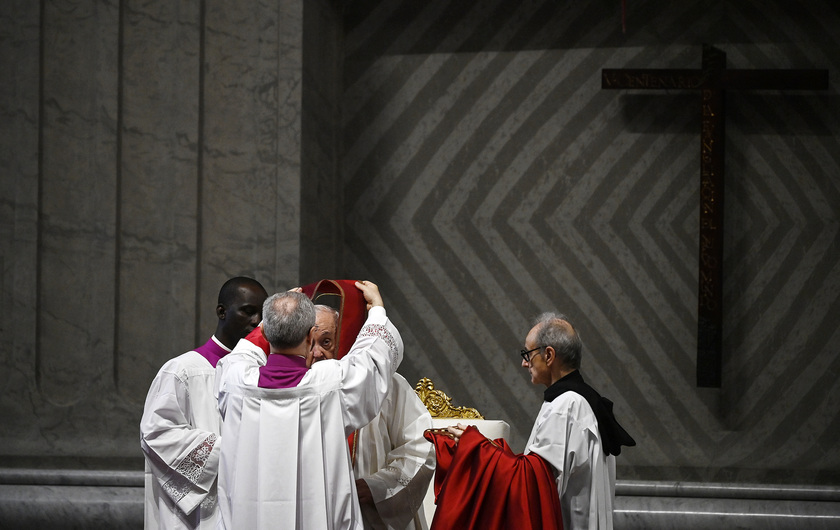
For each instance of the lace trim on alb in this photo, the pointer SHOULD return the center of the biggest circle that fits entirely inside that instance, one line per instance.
(189, 471)
(379, 330)
(402, 479)
(208, 503)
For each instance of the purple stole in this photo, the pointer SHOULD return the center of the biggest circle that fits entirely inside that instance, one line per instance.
(212, 351)
(282, 371)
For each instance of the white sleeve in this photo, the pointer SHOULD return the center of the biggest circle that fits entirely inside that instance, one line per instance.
(565, 436)
(183, 459)
(399, 488)
(550, 437)
(367, 369)
(240, 367)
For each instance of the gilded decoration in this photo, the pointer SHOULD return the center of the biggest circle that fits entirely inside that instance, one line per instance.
(440, 405)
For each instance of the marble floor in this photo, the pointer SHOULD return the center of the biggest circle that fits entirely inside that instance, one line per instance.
(60, 499)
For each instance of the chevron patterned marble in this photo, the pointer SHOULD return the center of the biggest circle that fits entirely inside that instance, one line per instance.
(151, 149)
(489, 178)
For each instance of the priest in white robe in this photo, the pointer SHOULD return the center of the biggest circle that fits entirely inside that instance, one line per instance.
(179, 430)
(285, 462)
(575, 430)
(585, 474)
(392, 462)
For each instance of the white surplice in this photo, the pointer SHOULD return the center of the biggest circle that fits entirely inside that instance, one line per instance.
(285, 462)
(179, 438)
(395, 460)
(566, 435)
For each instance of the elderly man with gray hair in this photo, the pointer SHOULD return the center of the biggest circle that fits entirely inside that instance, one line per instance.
(284, 463)
(575, 432)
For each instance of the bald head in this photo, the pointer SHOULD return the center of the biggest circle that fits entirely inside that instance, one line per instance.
(555, 330)
(287, 319)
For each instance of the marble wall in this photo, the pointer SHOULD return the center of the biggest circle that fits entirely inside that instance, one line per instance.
(150, 150)
(463, 156)
(321, 192)
(489, 178)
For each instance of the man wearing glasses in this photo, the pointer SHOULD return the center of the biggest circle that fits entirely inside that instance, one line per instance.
(575, 431)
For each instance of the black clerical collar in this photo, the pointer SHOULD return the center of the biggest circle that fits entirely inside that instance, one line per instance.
(613, 435)
(564, 384)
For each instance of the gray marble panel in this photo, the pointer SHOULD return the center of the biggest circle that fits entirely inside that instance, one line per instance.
(321, 215)
(19, 45)
(76, 269)
(251, 152)
(159, 190)
(130, 161)
(692, 513)
(60, 507)
(53, 498)
(71, 477)
(727, 490)
(655, 504)
(78, 216)
(70, 498)
(289, 94)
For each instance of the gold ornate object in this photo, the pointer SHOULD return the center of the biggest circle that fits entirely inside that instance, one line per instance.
(439, 404)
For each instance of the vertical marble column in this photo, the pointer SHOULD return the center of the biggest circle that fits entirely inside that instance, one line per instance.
(58, 398)
(19, 112)
(322, 214)
(250, 174)
(159, 188)
(288, 205)
(76, 269)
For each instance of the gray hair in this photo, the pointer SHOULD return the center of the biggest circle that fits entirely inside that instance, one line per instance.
(556, 331)
(321, 308)
(287, 318)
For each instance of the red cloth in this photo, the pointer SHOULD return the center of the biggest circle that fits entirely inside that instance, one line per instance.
(256, 338)
(351, 306)
(482, 484)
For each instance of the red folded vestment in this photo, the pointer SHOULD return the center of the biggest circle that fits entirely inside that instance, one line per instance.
(482, 484)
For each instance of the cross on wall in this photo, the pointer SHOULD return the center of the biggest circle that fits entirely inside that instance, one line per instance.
(713, 79)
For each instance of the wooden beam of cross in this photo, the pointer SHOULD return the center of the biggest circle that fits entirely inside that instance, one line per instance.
(713, 80)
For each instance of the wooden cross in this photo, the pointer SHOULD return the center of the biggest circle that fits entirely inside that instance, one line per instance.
(713, 79)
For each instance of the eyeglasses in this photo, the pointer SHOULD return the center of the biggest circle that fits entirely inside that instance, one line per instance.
(526, 354)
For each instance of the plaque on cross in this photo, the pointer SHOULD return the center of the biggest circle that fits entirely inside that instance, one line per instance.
(712, 80)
